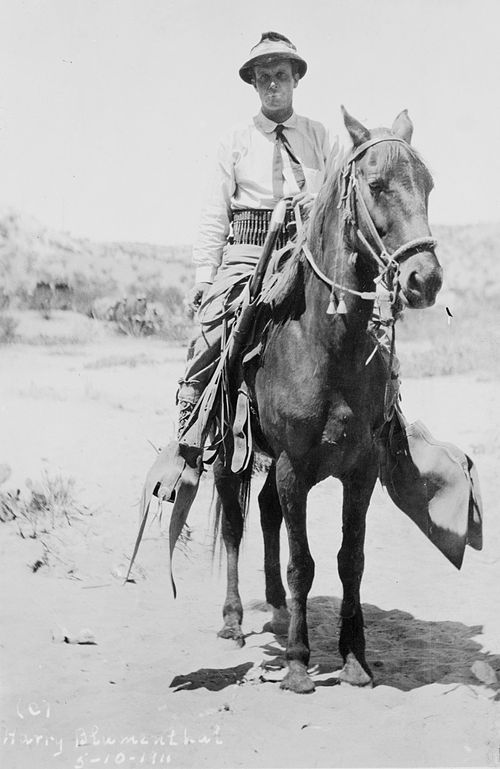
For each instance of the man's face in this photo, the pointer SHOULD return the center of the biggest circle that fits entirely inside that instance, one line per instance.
(275, 83)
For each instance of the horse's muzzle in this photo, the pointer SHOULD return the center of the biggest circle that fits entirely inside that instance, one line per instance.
(420, 279)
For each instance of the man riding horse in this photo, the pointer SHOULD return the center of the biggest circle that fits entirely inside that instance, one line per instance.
(323, 403)
(278, 154)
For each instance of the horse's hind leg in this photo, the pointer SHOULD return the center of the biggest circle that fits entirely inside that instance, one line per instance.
(358, 488)
(271, 517)
(228, 486)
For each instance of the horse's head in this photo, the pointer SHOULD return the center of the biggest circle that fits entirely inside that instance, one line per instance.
(392, 187)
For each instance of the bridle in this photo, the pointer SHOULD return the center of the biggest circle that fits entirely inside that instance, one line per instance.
(357, 214)
(387, 304)
(383, 258)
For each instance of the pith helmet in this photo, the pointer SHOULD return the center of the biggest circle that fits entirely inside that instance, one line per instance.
(270, 47)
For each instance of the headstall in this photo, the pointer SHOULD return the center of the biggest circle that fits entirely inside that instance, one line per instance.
(357, 214)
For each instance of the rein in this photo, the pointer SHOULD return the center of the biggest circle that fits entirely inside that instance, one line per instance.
(369, 295)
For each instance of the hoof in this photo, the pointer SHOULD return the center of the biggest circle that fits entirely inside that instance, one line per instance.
(232, 634)
(297, 680)
(354, 674)
(280, 622)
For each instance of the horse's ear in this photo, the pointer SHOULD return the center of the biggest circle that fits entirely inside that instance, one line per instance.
(403, 127)
(357, 131)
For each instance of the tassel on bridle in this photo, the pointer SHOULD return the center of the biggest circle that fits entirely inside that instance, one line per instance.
(340, 309)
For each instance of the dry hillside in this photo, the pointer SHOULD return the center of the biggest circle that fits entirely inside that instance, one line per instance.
(45, 270)
(31, 253)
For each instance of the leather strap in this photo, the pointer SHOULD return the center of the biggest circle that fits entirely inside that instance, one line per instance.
(242, 432)
(366, 145)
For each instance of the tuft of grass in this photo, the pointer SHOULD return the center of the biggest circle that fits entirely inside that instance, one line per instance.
(9, 505)
(44, 505)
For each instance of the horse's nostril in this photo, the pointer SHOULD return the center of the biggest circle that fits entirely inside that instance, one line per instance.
(416, 282)
(423, 285)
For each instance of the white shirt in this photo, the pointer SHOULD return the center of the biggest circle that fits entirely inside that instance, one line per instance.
(243, 179)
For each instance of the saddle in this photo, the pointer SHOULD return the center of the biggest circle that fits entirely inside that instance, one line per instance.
(175, 475)
(225, 403)
(252, 347)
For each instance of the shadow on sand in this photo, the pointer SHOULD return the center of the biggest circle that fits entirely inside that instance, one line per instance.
(402, 651)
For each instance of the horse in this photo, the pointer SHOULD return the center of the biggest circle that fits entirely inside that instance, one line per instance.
(319, 392)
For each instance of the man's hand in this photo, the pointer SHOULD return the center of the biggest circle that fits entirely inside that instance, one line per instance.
(305, 200)
(195, 296)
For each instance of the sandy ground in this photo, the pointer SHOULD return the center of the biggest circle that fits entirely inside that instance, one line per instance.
(157, 687)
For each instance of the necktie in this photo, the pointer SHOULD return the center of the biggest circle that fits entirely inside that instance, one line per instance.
(286, 165)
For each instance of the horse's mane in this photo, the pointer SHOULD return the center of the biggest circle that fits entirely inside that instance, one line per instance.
(285, 294)
(328, 199)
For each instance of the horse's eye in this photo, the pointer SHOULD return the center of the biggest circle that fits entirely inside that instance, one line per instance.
(375, 186)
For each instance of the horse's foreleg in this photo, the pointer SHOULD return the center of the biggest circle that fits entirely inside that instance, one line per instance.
(292, 492)
(358, 488)
(271, 517)
(232, 530)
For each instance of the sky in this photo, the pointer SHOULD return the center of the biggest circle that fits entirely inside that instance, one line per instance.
(111, 110)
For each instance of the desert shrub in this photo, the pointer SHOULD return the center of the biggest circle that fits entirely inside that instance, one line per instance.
(86, 290)
(177, 325)
(47, 296)
(41, 299)
(62, 296)
(43, 506)
(137, 317)
(8, 326)
(141, 316)
(170, 297)
(170, 300)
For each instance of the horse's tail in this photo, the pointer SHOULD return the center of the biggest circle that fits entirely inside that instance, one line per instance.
(244, 480)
